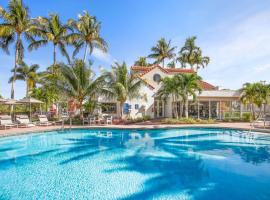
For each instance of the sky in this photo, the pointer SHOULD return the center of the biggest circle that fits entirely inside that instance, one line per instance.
(234, 34)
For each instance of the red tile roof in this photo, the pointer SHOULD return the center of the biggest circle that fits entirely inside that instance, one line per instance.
(207, 86)
(165, 70)
(145, 70)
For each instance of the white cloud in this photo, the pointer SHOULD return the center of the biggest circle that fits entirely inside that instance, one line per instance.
(239, 50)
(104, 57)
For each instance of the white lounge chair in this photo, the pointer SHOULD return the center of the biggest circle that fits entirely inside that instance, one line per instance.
(23, 121)
(43, 121)
(6, 122)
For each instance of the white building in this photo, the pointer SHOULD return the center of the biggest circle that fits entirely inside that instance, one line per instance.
(211, 102)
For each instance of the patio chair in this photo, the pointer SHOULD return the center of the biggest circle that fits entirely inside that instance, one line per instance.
(264, 121)
(6, 122)
(109, 120)
(43, 121)
(23, 121)
(89, 120)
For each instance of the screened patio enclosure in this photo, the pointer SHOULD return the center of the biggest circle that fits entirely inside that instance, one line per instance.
(216, 104)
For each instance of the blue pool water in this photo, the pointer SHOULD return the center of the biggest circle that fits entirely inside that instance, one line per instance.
(182, 164)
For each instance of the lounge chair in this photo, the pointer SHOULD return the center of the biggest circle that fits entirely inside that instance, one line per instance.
(23, 121)
(6, 122)
(263, 121)
(43, 121)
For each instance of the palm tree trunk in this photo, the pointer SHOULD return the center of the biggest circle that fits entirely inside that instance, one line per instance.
(54, 54)
(15, 68)
(163, 62)
(186, 108)
(122, 110)
(85, 53)
(27, 88)
(181, 109)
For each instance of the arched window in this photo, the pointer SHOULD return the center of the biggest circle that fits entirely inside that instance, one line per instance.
(157, 78)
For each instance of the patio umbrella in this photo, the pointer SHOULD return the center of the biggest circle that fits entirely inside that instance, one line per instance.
(30, 100)
(2, 100)
(11, 103)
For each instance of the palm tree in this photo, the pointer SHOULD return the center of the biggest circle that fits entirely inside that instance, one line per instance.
(79, 82)
(87, 35)
(141, 62)
(189, 86)
(122, 85)
(28, 74)
(16, 24)
(52, 30)
(192, 55)
(255, 94)
(162, 51)
(170, 87)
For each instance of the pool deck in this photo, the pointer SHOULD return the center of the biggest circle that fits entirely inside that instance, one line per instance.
(19, 131)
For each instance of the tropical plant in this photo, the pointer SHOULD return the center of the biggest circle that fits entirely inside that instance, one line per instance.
(162, 51)
(191, 55)
(170, 87)
(141, 62)
(172, 64)
(122, 84)
(45, 94)
(80, 83)
(255, 94)
(52, 30)
(16, 25)
(87, 35)
(28, 74)
(189, 86)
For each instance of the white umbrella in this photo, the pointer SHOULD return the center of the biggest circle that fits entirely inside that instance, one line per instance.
(2, 100)
(11, 103)
(30, 100)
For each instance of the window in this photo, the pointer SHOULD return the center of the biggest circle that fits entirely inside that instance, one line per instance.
(108, 107)
(126, 108)
(157, 78)
(137, 106)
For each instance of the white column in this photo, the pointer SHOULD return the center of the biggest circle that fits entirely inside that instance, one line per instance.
(198, 108)
(209, 109)
(220, 110)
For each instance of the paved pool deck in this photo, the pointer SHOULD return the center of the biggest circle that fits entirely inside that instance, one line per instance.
(38, 129)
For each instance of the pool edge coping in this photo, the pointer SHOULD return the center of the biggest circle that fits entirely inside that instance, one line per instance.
(145, 127)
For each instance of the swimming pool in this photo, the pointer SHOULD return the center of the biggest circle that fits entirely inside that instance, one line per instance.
(187, 163)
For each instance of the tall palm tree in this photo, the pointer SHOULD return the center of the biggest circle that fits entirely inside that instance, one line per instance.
(87, 35)
(141, 62)
(162, 51)
(16, 25)
(191, 55)
(79, 82)
(52, 30)
(170, 87)
(28, 74)
(122, 85)
(189, 86)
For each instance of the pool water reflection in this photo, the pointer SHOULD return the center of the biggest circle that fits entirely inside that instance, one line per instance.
(188, 163)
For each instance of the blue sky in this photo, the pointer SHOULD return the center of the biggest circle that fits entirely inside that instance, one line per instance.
(234, 34)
